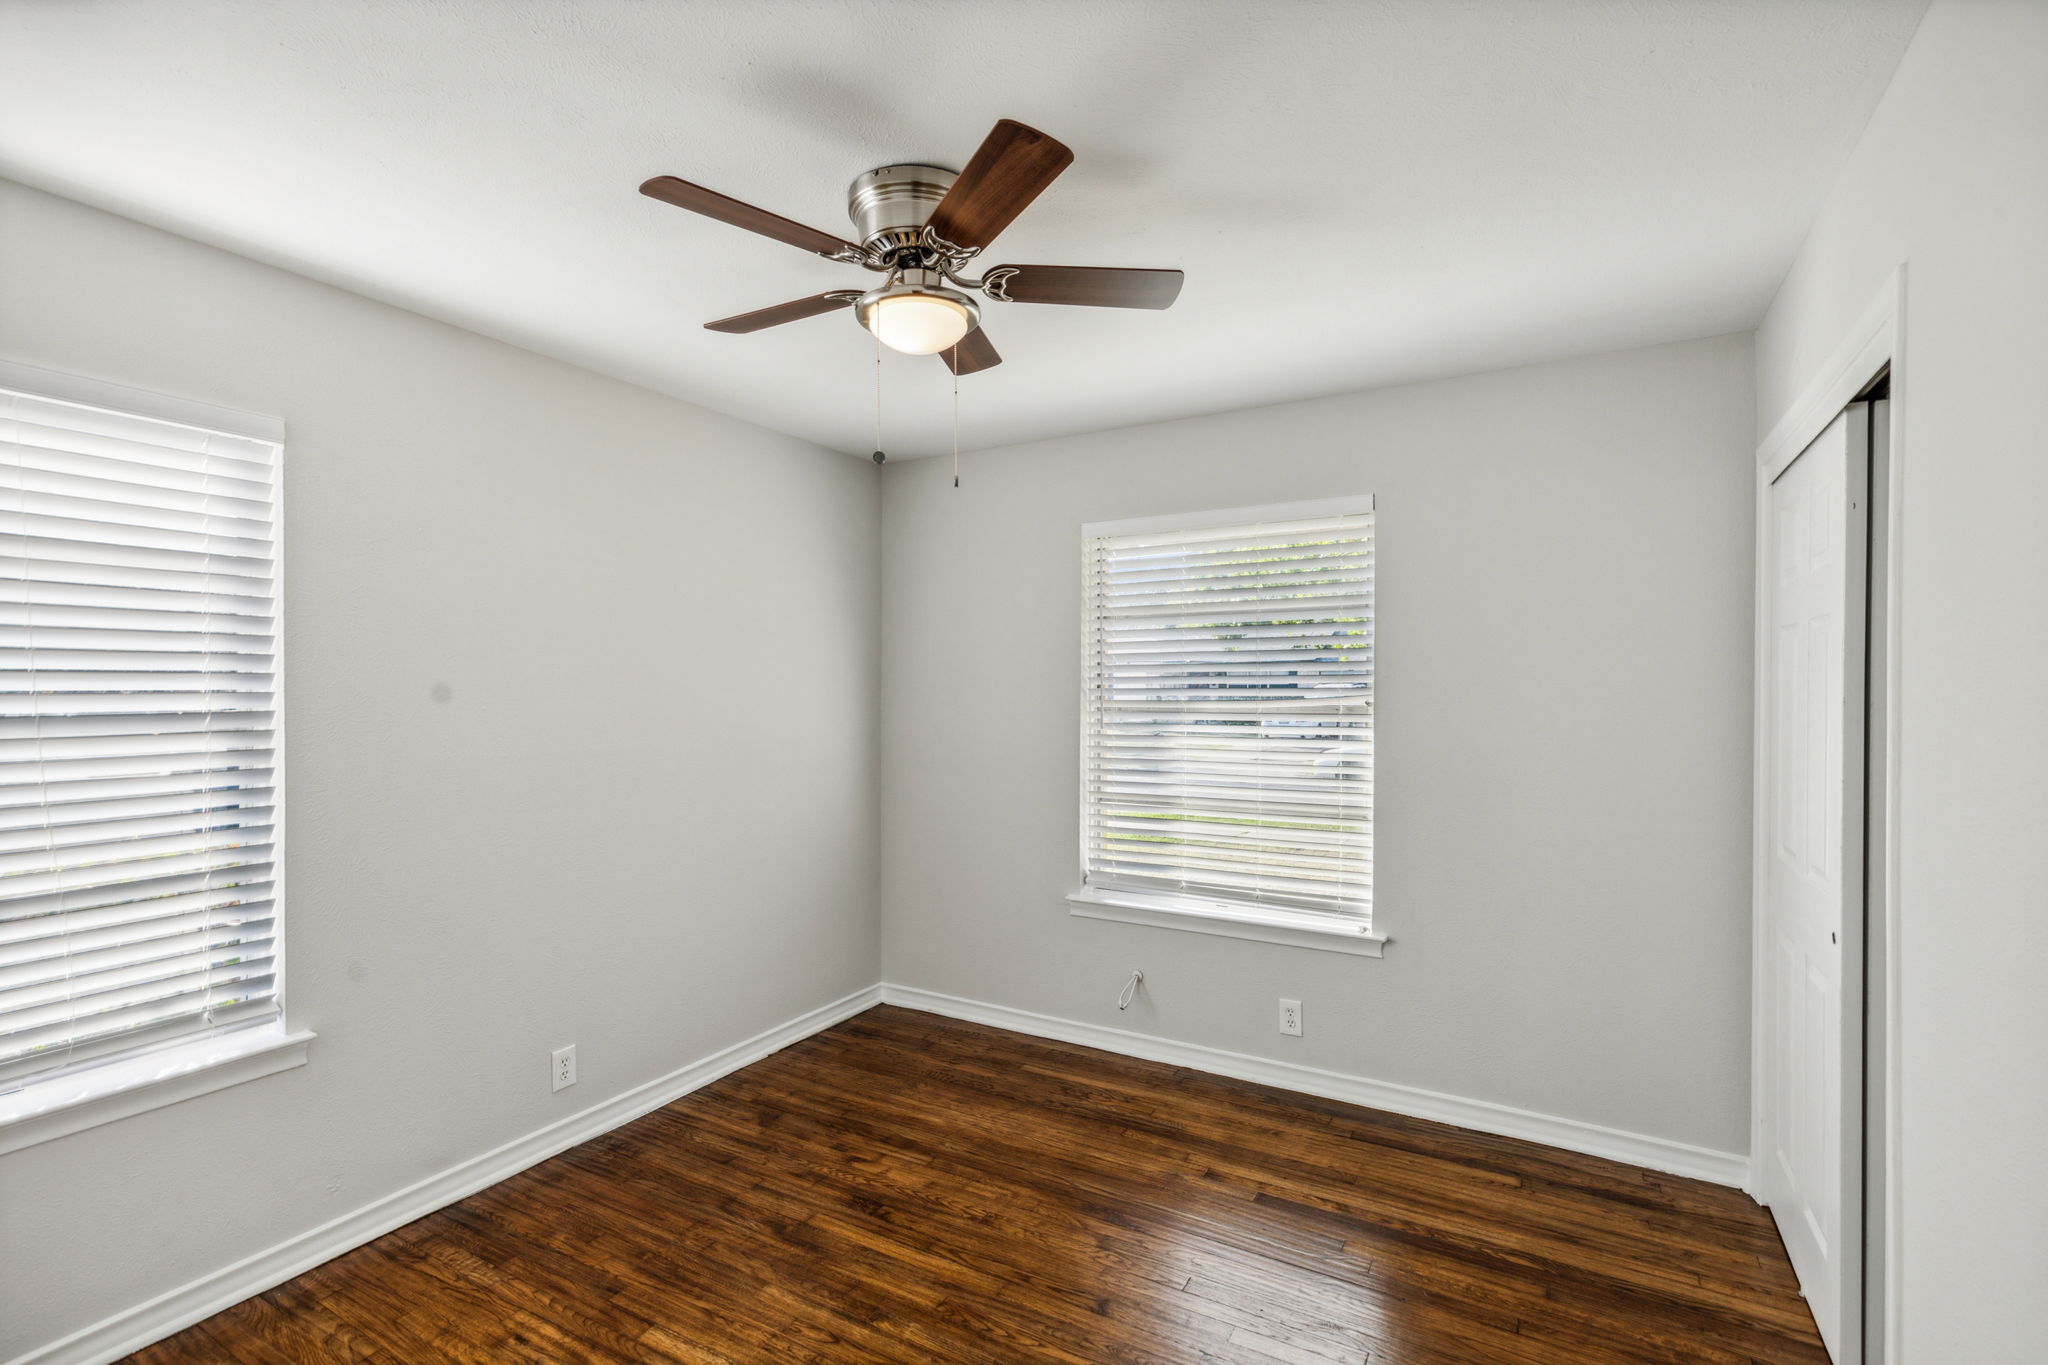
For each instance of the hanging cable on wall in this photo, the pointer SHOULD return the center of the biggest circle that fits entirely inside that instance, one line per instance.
(1130, 991)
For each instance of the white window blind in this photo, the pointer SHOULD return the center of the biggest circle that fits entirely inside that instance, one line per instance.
(1228, 714)
(137, 709)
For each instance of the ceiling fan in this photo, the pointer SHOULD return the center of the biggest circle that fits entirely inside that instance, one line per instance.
(919, 228)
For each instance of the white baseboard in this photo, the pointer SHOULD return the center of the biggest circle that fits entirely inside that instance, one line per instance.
(133, 1328)
(1592, 1139)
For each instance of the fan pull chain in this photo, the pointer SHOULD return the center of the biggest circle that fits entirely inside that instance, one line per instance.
(956, 414)
(878, 457)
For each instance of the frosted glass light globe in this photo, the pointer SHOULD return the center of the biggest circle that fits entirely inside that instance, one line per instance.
(918, 324)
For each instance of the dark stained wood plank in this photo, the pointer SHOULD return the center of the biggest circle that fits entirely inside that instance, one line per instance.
(909, 1188)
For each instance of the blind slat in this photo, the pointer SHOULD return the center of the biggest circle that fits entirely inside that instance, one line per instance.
(109, 553)
(228, 808)
(140, 478)
(68, 949)
(110, 971)
(224, 905)
(236, 879)
(32, 822)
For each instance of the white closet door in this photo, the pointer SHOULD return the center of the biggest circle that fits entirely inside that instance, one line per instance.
(1816, 523)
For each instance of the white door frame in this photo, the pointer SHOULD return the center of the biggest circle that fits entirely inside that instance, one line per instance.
(1876, 341)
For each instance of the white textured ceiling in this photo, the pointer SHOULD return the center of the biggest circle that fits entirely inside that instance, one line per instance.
(1360, 193)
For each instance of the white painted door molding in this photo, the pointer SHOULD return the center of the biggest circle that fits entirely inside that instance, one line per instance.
(1876, 342)
(1810, 1166)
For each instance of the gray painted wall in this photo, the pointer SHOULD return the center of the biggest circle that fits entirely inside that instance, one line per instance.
(1949, 180)
(658, 626)
(1562, 847)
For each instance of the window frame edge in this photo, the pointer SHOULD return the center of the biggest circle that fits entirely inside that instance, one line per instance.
(1351, 505)
(136, 1085)
(65, 387)
(195, 1066)
(1305, 930)
(1257, 923)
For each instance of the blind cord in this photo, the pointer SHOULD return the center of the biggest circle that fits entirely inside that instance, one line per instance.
(1181, 737)
(35, 686)
(206, 662)
(1130, 991)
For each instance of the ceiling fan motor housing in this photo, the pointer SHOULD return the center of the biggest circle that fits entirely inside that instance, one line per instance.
(891, 204)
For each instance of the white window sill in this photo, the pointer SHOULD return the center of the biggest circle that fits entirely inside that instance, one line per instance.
(42, 1110)
(1296, 929)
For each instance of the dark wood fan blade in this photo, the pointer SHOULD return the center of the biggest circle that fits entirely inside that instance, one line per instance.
(1089, 286)
(975, 352)
(792, 311)
(712, 204)
(1011, 168)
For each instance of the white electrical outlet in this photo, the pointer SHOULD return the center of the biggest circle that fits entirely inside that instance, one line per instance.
(1290, 1018)
(563, 1072)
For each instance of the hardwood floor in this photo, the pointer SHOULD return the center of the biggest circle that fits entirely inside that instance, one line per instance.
(909, 1188)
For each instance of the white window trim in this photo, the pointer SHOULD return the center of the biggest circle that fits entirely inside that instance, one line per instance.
(99, 393)
(84, 1099)
(40, 1111)
(1232, 516)
(1226, 919)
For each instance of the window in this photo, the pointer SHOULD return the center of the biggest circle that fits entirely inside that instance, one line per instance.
(1227, 715)
(138, 782)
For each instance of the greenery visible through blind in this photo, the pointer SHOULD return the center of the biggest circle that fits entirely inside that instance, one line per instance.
(1228, 749)
(137, 788)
